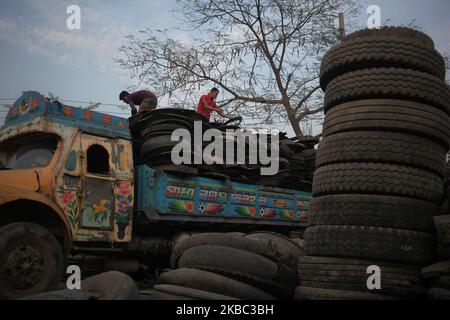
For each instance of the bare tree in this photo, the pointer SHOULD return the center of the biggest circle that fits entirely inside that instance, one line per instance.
(92, 106)
(264, 54)
(52, 97)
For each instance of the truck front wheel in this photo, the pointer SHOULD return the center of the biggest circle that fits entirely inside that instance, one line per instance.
(31, 260)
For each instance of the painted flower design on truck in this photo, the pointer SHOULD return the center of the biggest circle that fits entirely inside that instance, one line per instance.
(69, 200)
(245, 211)
(210, 208)
(124, 204)
(180, 206)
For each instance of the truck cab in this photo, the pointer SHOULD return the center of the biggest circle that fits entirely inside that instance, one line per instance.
(68, 183)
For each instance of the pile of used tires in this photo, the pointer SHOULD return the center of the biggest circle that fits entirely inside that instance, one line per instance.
(217, 266)
(152, 132)
(380, 167)
(112, 285)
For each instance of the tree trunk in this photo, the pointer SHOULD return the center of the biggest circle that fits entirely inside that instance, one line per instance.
(294, 122)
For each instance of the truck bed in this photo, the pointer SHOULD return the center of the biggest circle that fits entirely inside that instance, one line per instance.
(163, 196)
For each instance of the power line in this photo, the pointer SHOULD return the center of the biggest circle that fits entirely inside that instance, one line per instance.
(89, 102)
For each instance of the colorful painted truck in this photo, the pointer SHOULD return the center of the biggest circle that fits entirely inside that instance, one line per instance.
(68, 185)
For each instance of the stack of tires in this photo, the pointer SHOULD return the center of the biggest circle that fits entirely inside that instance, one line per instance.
(153, 145)
(380, 167)
(210, 266)
(152, 133)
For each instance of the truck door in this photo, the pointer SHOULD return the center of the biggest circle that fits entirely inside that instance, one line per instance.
(97, 187)
(107, 189)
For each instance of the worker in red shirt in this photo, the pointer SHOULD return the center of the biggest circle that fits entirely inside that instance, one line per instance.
(207, 104)
(146, 100)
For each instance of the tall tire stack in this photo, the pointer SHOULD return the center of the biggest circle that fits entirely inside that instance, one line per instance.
(254, 266)
(380, 167)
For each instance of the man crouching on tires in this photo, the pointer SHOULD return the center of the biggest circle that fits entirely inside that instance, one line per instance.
(145, 99)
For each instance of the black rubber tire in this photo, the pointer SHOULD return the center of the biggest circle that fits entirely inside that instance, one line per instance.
(442, 223)
(171, 292)
(371, 243)
(213, 282)
(436, 270)
(420, 38)
(245, 266)
(388, 83)
(442, 282)
(395, 280)
(389, 115)
(111, 285)
(30, 241)
(373, 210)
(154, 294)
(61, 295)
(408, 271)
(380, 52)
(400, 288)
(153, 146)
(230, 240)
(439, 294)
(270, 245)
(380, 179)
(278, 247)
(308, 293)
(384, 147)
(167, 128)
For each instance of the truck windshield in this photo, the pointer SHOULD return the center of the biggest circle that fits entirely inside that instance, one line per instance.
(30, 153)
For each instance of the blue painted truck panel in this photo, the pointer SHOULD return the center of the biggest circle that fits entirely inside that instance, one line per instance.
(164, 196)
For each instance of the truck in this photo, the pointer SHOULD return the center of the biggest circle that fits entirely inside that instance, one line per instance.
(69, 185)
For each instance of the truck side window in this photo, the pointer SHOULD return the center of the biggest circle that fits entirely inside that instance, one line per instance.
(97, 160)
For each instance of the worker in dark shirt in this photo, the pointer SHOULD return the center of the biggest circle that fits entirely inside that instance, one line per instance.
(146, 100)
(207, 104)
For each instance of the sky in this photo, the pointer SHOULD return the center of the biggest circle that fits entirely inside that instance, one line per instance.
(39, 52)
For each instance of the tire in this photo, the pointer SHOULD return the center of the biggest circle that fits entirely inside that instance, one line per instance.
(171, 292)
(442, 282)
(398, 288)
(436, 270)
(442, 223)
(212, 282)
(395, 280)
(371, 243)
(244, 266)
(278, 248)
(408, 271)
(270, 245)
(389, 115)
(420, 38)
(378, 179)
(438, 294)
(388, 83)
(153, 294)
(373, 210)
(381, 52)
(167, 128)
(23, 240)
(308, 293)
(111, 285)
(230, 240)
(152, 147)
(384, 147)
(61, 295)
